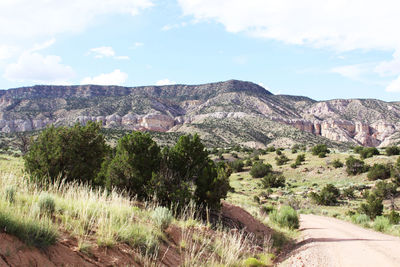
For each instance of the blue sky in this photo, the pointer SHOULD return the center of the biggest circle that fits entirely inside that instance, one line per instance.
(320, 49)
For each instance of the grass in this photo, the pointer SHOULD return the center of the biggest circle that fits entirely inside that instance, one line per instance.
(97, 217)
(286, 216)
(311, 176)
(37, 232)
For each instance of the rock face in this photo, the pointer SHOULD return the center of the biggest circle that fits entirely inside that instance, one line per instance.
(166, 108)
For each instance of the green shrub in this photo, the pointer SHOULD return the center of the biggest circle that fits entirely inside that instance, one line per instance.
(394, 217)
(358, 149)
(272, 180)
(46, 203)
(373, 206)
(329, 195)
(293, 165)
(76, 153)
(349, 192)
(337, 163)
(368, 152)
(381, 224)
(267, 209)
(361, 219)
(392, 150)
(252, 262)
(385, 190)
(379, 171)
(162, 217)
(237, 165)
(248, 163)
(270, 149)
(300, 158)
(285, 217)
(320, 149)
(278, 152)
(260, 169)
(281, 160)
(256, 199)
(355, 166)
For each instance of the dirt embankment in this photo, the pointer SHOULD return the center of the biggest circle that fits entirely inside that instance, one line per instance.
(13, 252)
(332, 242)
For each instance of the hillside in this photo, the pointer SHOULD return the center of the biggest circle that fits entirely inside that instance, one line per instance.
(225, 113)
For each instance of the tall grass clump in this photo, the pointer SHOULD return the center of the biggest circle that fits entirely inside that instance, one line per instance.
(286, 216)
(33, 231)
(162, 217)
(46, 203)
(10, 194)
(361, 219)
(381, 224)
(140, 237)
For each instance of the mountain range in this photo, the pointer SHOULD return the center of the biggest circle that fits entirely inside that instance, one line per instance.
(223, 113)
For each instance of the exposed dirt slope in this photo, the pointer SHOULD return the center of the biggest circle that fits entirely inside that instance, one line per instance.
(331, 242)
(13, 252)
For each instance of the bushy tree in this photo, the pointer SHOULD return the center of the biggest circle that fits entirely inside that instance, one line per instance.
(379, 171)
(260, 169)
(329, 195)
(337, 163)
(373, 206)
(137, 158)
(281, 160)
(320, 149)
(187, 173)
(385, 190)
(355, 166)
(272, 180)
(73, 153)
(237, 165)
(392, 150)
(368, 152)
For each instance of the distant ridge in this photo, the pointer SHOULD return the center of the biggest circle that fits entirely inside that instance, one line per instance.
(224, 113)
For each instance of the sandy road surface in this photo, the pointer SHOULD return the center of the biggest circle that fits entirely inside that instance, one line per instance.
(331, 242)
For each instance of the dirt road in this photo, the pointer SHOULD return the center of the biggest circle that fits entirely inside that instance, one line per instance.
(331, 242)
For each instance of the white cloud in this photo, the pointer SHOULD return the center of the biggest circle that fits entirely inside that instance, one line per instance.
(38, 68)
(169, 27)
(106, 51)
(26, 18)
(394, 86)
(7, 51)
(354, 72)
(340, 25)
(389, 68)
(44, 45)
(116, 77)
(102, 51)
(165, 82)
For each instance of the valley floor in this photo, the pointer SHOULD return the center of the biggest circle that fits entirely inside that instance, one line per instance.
(332, 242)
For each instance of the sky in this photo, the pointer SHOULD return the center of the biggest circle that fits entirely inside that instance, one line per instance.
(320, 49)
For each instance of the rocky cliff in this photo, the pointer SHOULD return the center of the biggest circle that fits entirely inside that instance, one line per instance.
(177, 108)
